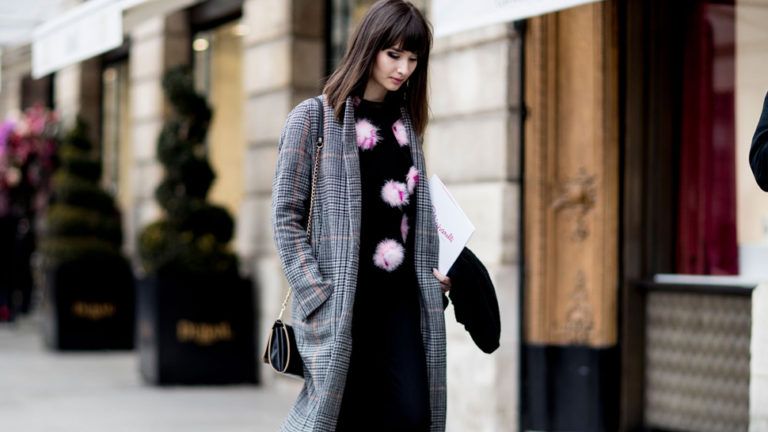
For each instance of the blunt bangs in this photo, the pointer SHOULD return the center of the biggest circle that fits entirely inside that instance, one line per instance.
(410, 33)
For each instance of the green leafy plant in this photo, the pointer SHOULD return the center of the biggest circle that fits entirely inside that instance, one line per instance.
(193, 236)
(82, 220)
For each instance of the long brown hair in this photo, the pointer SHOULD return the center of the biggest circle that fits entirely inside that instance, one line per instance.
(387, 23)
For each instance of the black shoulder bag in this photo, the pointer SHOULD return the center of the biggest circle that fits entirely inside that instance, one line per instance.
(281, 352)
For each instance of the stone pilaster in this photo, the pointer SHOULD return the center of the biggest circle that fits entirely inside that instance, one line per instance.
(283, 65)
(473, 144)
(77, 92)
(16, 63)
(156, 45)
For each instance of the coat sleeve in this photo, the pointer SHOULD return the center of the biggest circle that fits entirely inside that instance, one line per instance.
(758, 154)
(290, 201)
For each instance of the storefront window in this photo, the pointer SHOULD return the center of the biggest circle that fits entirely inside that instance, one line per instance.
(707, 208)
(345, 15)
(724, 47)
(115, 129)
(751, 85)
(218, 74)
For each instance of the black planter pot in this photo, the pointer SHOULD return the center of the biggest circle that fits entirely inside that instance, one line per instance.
(89, 305)
(17, 244)
(7, 239)
(196, 329)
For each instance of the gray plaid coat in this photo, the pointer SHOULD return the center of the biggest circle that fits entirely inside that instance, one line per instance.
(323, 275)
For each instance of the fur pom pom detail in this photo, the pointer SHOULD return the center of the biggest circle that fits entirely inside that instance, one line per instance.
(404, 228)
(401, 135)
(395, 193)
(367, 134)
(389, 255)
(412, 179)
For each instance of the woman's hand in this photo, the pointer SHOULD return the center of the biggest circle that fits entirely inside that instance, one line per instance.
(445, 281)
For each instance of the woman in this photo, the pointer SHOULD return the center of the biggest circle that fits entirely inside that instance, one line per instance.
(367, 302)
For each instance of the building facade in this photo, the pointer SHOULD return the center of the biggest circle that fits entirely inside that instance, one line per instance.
(566, 138)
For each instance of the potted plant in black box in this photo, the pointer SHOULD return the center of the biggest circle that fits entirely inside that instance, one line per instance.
(88, 284)
(195, 313)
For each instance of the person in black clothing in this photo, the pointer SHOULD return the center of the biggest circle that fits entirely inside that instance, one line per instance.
(387, 384)
(758, 154)
(387, 378)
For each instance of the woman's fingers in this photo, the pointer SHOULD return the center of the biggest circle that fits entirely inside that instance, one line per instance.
(445, 281)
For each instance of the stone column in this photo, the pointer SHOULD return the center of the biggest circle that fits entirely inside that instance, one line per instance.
(156, 45)
(16, 63)
(77, 92)
(283, 65)
(473, 144)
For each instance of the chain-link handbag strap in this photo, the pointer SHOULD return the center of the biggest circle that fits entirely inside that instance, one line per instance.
(318, 146)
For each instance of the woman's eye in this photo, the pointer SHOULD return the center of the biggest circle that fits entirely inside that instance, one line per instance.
(393, 55)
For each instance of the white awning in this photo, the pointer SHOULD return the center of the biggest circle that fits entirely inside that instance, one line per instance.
(454, 16)
(90, 29)
(18, 19)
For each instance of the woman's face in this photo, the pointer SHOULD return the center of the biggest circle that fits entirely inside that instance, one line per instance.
(392, 68)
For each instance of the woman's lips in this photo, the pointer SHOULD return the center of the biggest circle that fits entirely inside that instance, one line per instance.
(397, 81)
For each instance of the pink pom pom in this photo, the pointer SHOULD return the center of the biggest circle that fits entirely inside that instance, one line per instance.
(389, 255)
(412, 179)
(398, 129)
(367, 134)
(404, 228)
(394, 193)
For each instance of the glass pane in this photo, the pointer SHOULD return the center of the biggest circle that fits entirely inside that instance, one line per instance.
(751, 85)
(707, 218)
(115, 127)
(218, 66)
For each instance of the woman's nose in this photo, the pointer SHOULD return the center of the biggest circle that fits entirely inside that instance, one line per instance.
(402, 68)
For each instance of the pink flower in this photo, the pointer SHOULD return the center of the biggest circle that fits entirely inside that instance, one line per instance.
(367, 134)
(389, 255)
(404, 228)
(401, 135)
(395, 193)
(412, 179)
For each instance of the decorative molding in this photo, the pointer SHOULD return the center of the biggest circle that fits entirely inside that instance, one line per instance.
(571, 178)
(579, 317)
(579, 193)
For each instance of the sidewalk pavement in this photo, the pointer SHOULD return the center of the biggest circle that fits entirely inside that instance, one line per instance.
(45, 391)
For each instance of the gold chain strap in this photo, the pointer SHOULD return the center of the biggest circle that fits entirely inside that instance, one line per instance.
(318, 147)
(314, 186)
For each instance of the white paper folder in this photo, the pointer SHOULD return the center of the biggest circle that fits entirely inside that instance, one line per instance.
(453, 226)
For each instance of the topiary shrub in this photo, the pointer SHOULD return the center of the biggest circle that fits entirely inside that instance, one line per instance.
(193, 235)
(82, 221)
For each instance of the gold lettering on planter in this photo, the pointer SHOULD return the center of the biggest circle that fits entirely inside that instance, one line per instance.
(203, 333)
(93, 311)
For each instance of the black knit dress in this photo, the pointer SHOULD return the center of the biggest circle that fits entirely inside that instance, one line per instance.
(387, 386)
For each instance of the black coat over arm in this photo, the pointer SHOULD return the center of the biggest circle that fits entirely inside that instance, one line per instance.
(758, 154)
